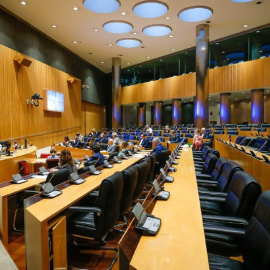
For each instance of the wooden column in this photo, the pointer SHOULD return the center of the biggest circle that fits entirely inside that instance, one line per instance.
(225, 108)
(158, 113)
(116, 92)
(142, 114)
(257, 106)
(176, 112)
(201, 108)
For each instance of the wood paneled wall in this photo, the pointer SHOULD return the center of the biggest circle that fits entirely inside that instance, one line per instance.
(241, 111)
(247, 75)
(19, 120)
(93, 116)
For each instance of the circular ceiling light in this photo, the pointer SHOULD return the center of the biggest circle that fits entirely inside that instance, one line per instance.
(150, 9)
(102, 6)
(157, 30)
(128, 42)
(195, 14)
(117, 27)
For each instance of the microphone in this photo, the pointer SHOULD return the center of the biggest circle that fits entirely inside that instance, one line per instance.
(17, 178)
(48, 189)
(261, 148)
(76, 178)
(93, 169)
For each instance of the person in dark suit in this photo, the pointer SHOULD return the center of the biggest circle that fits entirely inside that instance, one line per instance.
(158, 147)
(97, 156)
(92, 143)
(111, 147)
(173, 138)
(143, 141)
(76, 143)
(204, 134)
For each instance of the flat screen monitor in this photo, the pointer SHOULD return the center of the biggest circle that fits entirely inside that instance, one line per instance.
(54, 101)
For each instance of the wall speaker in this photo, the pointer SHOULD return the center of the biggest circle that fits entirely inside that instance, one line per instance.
(22, 60)
(72, 80)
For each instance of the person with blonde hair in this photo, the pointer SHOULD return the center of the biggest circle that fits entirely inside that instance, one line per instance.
(197, 140)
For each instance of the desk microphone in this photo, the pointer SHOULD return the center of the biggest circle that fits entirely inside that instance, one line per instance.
(76, 178)
(48, 189)
(17, 178)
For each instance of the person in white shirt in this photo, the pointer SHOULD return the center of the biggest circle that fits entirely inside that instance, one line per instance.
(148, 129)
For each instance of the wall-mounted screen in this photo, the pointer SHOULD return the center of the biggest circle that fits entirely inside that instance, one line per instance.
(54, 101)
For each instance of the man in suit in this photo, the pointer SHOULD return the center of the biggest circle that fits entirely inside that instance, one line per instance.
(111, 147)
(143, 141)
(76, 143)
(173, 138)
(97, 156)
(158, 147)
(204, 134)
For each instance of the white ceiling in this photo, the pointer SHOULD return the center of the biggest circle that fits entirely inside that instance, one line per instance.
(228, 19)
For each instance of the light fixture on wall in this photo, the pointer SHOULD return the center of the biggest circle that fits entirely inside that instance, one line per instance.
(34, 100)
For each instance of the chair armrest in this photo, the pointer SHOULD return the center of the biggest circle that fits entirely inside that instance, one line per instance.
(209, 183)
(224, 230)
(85, 209)
(94, 193)
(212, 193)
(212, 198)
(28, 191)
(203, 176)
(225, 219)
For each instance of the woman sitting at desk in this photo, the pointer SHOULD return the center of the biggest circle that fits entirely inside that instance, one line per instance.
(66, 162)
(66, 142)
(124, 150)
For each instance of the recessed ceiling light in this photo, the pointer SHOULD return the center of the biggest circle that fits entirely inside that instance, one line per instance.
(124, 13)
(171, 36)
(128, 64)
(157, 30)
(23, 3)
(217, 43)
(148, 57)
(75, 42)
(150, 9)
(134, 33)
(173, 49)
(75, 8)
(223, 52)
(95, 29)
(258, 31)
(53, 26)
(167, 18)
(128, 42)
(102, 62)
(195, 14)
(117, 27)
(102, 6)
(245, 25)
(110, 44)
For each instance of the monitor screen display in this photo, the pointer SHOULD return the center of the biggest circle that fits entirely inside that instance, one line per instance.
(54, 101)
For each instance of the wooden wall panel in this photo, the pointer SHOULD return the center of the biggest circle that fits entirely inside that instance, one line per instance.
(93, 116)
(267, 109)
(247, 75)
(241, 111)
(19, 120)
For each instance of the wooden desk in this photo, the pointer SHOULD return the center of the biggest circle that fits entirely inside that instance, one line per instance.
(9, 164)
(180, 243)
(5, 193)
(257, 168)
(45, 216)
(75, 152)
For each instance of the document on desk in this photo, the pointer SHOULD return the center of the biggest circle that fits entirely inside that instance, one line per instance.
(39, 176)
(138, 156)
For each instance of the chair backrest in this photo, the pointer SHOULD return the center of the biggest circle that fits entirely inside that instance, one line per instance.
(143, 169)
(130, 182)
(52, 162)
(153, 157)
(242, 195)
(209, 163)
(44, 155)
(59, 177)
(109, 198)
(23, 166)
(218, 168)
(256, 242)
(228, 170)
(163, 157)
(214, 152)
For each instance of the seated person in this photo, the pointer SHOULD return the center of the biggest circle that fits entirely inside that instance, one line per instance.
(111, 147)
(167, 129)
(116, 140)
(124, 150)
(97, 156)
(53, 153)
(204, 134)
(157, 146)
(93, 134)
(197, 140)
(92, 143)
(66, 142)
(76, 143)
(80, 136)
(143, 141)
(102, 138)
(66, 162)
(148, 129)
(173, 138)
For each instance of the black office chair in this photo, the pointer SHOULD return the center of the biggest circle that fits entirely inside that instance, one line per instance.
(58, 177)
(239, 200)
(161, 160)
(208, 166)
(51, 163)
(255, 240)
(143, 170)
(130, 182)
(93, 223)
